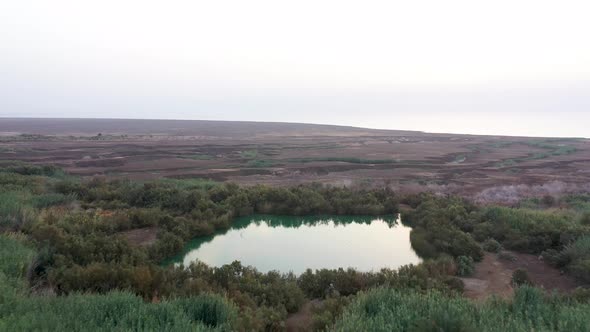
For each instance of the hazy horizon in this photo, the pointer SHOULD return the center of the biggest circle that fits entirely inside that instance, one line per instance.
(501, 68)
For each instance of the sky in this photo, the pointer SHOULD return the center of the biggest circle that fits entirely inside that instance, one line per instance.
(514, 67)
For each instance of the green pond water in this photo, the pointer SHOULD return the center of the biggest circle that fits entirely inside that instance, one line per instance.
(287, 243)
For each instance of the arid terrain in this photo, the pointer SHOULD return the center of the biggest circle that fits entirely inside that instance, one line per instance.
(486, 167)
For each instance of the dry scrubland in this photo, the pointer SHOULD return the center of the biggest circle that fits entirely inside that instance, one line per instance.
(489, 168)
(84, 251)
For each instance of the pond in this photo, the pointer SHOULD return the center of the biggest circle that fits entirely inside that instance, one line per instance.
(287, 243)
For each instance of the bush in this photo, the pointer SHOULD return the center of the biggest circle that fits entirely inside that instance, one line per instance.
(444, 239)
(585, 219)
(521, 277)
(491, 245)
(581, 270)
(455, 284)
(465, 266)
(326, 313)
(507, 256)
(574, 257)
(581, 295)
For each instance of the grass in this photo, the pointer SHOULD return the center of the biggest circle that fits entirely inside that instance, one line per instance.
(14, 211)
(392, 310)
(115, 311)
(549, 145)
(249, 154)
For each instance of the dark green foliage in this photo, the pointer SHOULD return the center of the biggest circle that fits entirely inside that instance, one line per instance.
(326, 313)
(575, 257)
(441, 226)
(580, 295)
(51, 199)
(432, 274)
(455, 284)
(585, 219)
(104, 281)
(441, 321)
(525, 230)
(20, 311)
(465, 266)
(521, 277)
(491, 245)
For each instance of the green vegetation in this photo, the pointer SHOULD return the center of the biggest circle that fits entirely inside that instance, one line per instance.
(260, 163)
(521, 277)
(491, 245)
(249, 154)
(552, 150)
(394, 310)
(574, 257)
(441, 226)
(76, 226)
(120, 310)
(65, 263)
(465, 266)
(197, 157)
(507, 256)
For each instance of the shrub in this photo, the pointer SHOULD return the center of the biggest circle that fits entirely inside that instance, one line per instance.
(521, 277)
(455, 284)
(581, 270)
(585, 219)
(507, 256)
(491, 245)
(581, 295)
(444, 239)
(556, 258)
(465, 266)
(326, 313)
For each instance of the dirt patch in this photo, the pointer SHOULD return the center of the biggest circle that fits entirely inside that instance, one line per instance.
(142, 236)
(303, 319)
(493, 276)
(542, 274)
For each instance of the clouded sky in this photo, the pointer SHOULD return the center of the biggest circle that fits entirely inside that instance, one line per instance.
(494, 67)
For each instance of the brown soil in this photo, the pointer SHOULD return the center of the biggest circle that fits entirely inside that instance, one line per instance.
(141, 236)
(303, 319)
(493, 276)
(281, 154)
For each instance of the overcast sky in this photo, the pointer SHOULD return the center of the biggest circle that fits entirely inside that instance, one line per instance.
(494, 67)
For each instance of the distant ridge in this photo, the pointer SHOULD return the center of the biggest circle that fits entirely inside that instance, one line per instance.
(91, 127)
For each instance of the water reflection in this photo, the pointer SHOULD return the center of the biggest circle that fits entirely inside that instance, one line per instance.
(287, 243)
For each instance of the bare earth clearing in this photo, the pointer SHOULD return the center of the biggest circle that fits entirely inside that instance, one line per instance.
(493, 276)
(489, 168)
